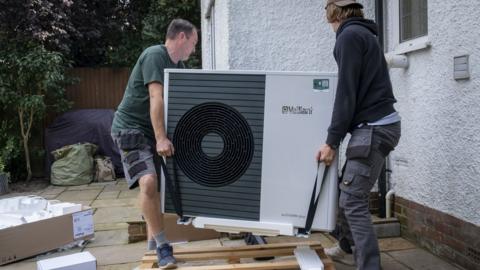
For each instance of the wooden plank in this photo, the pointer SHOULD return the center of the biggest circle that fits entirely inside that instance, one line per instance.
(233, 255)
(189, 250)
(178, 250)
(327, 262)
(146, 265)
(235, 252)
(287, 264)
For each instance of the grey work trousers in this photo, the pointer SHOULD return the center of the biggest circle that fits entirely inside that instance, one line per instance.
(366, 152)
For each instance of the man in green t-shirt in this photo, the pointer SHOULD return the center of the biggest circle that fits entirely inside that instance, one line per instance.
(138, 128)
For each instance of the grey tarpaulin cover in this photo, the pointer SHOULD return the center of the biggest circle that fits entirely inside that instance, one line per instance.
(80, 126)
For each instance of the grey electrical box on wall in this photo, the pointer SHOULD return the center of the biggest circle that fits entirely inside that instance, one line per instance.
(461, 67)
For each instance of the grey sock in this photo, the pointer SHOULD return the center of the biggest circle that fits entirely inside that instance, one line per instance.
(160, 238)
(151, 244)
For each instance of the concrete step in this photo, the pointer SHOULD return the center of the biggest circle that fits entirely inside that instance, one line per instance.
(386, 227)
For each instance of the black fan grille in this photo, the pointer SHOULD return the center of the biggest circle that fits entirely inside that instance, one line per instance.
(227, 165)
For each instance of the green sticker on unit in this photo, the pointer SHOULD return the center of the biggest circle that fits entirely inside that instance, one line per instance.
(321, 84)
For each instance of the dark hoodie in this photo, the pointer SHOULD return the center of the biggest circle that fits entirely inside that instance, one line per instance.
(364, 91)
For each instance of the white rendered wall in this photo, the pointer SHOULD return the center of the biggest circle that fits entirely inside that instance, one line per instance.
(280, 35)
(220, 37)
(271, 35)
(437, 163)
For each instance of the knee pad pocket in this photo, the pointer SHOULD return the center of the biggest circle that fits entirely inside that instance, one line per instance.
(356, 179)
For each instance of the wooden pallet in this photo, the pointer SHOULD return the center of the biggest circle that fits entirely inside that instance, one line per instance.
(283, 253)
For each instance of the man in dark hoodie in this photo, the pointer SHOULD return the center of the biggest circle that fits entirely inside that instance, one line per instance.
(364, 108)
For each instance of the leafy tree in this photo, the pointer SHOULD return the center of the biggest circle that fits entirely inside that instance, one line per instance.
(127, 45)
(94, 33)
(29, 29)
(32, 81)
(145, 24)
(81, 30)
(45, 22)
(8, 146)
(97, 25)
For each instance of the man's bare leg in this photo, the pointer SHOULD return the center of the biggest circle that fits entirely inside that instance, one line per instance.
(150, 205)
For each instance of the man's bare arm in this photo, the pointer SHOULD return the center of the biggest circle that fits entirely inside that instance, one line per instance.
(163, 144)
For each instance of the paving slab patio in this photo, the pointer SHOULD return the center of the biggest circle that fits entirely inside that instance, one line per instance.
(108, 195)
(104, 203)
(117, 254)
(128, 194)
(53, 190)
(109, 238)
(78, 195)
(417, 258)
(114, 204)
(116, 214)
(122, 266)
(111, 226)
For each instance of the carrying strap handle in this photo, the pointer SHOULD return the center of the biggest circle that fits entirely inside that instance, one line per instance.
(172, 187)
(312, 209)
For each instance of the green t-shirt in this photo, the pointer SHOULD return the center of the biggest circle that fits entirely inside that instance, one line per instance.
(134, 110)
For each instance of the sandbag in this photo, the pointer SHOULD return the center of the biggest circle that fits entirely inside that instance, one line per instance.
(73, 165)
(104, 169)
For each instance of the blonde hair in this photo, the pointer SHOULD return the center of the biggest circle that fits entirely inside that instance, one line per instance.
(339, 14)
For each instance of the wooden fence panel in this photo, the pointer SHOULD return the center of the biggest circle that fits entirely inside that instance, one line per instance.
(98, 88)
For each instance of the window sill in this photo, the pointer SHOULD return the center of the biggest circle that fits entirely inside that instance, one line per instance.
(412, 45)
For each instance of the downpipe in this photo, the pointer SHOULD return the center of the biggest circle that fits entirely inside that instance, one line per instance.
(391, 192)
(388, 203)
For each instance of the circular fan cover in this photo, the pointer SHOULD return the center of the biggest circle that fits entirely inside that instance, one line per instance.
(214, 144)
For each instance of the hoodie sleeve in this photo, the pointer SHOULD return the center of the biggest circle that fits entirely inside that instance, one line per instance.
(348, 53)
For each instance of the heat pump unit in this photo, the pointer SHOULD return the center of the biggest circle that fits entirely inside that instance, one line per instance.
(245, 145)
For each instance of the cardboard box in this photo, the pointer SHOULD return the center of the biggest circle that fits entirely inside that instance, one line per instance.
(137, 231)
(77, 261)
(185, 233)
(37, 237)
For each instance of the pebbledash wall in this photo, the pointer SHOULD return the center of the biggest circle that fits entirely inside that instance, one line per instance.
(436, 167)
(267, 35)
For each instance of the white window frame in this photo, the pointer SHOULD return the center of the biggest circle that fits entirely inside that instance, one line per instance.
(415, 44)
(210, 17)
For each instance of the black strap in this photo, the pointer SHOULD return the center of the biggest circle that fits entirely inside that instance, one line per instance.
(343, 172)
(172, 187)
(314, 201)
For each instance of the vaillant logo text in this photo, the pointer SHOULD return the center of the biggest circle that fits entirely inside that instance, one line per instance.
(296, 110)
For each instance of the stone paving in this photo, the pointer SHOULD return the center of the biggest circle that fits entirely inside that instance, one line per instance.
(114, 205)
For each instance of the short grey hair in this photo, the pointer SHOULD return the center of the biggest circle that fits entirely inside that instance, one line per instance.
(180, 25)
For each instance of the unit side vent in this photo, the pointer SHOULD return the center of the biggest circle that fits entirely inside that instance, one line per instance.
(216, 125)
(204, 158)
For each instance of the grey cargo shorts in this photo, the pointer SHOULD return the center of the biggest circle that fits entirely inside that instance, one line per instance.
(138, 155)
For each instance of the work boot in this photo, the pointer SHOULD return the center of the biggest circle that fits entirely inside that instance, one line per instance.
(339, 255)
(165, 257)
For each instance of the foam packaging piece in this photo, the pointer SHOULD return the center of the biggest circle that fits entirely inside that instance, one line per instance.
(78, 261)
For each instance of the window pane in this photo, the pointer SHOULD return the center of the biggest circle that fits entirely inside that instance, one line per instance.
(413, 19)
